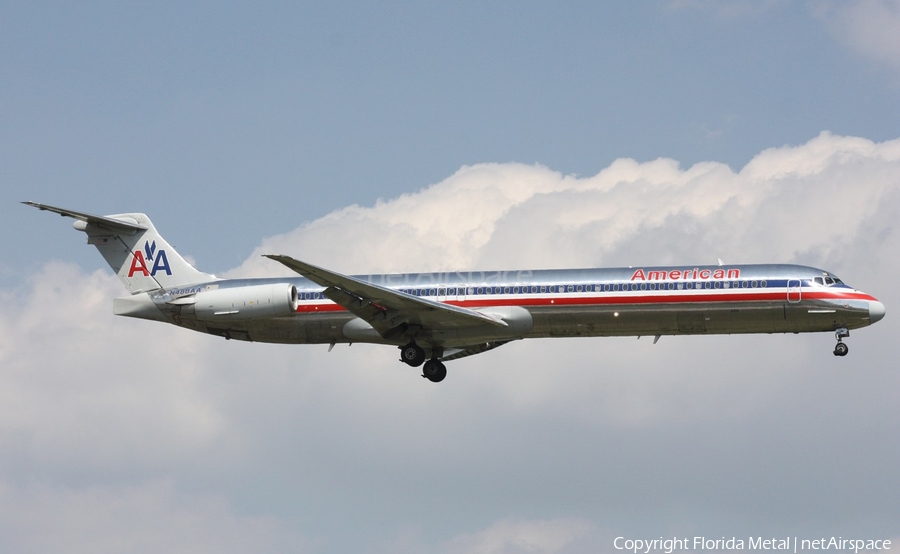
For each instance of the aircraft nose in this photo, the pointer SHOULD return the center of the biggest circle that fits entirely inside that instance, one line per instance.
(876, 311)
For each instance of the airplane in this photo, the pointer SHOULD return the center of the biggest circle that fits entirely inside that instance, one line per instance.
(438, 317)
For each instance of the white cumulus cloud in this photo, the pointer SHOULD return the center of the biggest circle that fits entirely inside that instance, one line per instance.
(870, 27)
(530, 448)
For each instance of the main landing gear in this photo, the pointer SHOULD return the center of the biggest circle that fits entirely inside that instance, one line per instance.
(414, 355)
(840, 348)
(434, 370)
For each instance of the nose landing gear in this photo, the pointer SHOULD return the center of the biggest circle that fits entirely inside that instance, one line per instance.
(841, 349)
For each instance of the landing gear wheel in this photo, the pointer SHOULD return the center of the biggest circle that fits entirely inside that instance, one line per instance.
(434, 371)
(412, 354)
(840, 348)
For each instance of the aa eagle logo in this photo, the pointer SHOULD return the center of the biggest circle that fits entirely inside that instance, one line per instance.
(140, 259)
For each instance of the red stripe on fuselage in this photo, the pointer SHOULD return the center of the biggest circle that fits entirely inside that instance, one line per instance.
(778, 295)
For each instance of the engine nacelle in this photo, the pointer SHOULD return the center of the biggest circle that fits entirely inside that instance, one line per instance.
(254, 302)
(518, 318)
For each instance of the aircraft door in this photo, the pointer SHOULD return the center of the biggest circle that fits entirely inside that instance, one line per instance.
(793, 291)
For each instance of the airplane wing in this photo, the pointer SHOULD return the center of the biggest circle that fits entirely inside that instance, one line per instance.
(100, 221)
(388, 311)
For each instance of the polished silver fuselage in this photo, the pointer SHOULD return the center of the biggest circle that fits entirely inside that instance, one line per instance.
(446, 316)
(573, 303)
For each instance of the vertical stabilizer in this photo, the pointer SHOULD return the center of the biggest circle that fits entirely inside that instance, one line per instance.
(132, 247)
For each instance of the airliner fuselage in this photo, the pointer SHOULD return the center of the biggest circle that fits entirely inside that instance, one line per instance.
(573, 303)
(436, 317)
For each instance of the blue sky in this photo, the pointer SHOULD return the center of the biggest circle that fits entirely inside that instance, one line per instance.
(406, 136)
(269, 115)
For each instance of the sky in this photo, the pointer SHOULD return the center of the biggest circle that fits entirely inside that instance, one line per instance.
(414, 137)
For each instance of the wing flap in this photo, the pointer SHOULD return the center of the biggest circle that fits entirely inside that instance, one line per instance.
(465, 351)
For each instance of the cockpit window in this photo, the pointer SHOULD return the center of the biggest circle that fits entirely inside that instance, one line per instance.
(827, 281)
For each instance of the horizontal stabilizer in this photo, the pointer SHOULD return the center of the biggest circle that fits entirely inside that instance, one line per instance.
(98, 220)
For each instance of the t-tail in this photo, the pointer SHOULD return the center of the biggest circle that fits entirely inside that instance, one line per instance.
(132, 247)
